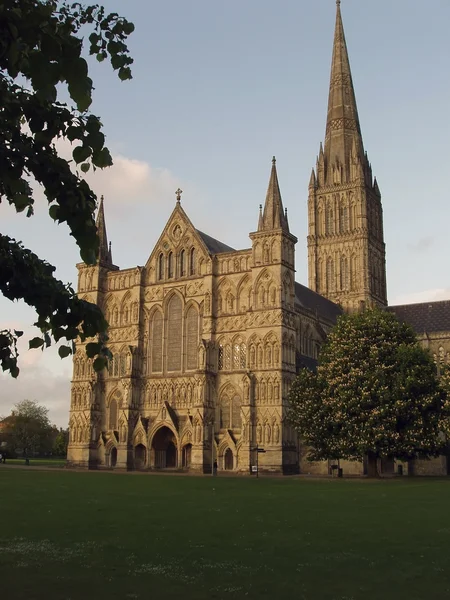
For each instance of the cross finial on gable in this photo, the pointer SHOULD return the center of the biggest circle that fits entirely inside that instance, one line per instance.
(178, 194)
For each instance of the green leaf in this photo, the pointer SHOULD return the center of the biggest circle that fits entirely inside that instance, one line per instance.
(128, 27)
(99, 364)
(85, 167)
(64, 351)
(36, 342)
(21, 201)
(125, 73)
(93, 348)
(102, 159)
(81, 153)
(18, 333)
(54, 211)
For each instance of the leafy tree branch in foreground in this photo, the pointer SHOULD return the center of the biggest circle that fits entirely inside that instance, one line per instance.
(41, 44)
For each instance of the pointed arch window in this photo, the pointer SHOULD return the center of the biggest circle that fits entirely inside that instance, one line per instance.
(345, 276)
(174, 331)
(156, 342)
(329, 224)
(113, 414)
(343, 219)
(170, 265)
(225, 420)
(330, 275)
(161, 266)
(220, 358)
(193, 258)
(191, 338)
(182, 263)
(243, 356)
(236, 420)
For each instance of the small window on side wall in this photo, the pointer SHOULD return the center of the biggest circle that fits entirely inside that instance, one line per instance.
(161, 266)
(193, 258)
(182, 263)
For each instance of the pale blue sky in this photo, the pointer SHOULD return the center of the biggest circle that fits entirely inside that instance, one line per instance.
(218, 89)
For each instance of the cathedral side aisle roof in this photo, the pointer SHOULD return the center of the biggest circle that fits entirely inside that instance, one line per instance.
(315, 302)
(426, 317)
(213, 245)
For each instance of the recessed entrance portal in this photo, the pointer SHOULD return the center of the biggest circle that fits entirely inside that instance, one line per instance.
(228, 460)
(140, 456)
(164, 447)
(113, 457)
(187, 451)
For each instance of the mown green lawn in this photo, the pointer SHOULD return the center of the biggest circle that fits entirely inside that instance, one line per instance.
(70, 536)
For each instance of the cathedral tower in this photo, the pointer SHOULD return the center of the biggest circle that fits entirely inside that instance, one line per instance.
(346, 250)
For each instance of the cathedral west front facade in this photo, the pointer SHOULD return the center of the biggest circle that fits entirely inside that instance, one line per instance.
(207, 339)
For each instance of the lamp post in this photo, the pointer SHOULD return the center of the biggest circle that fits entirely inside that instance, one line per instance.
(212, 448)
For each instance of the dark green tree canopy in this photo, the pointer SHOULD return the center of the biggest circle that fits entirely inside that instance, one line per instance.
(27, 429)
(41, 47)
(376, 393)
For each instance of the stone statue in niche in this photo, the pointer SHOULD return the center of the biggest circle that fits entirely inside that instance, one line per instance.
(276, 433)
(259, 433)
(246, 390)
(202, 357)
(268, 433)
(163, 413)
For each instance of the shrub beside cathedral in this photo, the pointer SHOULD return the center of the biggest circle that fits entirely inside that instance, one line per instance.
(206, 339)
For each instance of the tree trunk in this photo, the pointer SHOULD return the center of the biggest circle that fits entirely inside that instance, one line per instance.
(372, 465)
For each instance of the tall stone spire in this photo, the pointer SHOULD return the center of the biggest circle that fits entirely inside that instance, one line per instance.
(273, 216)
(104, 252)
(346, 250)
(343, 131)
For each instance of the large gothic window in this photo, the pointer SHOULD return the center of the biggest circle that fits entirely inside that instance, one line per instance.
(236, 422)
(230, 411)
(113, 414)
(191, 338)
(174, 332)
(225, 419)
(156, 342)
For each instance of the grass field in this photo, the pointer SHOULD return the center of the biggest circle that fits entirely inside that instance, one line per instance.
(71, 536)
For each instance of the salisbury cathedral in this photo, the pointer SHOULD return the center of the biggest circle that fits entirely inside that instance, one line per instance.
(207, 339)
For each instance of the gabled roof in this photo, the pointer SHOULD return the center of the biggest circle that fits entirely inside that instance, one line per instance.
(315, 302)
(426, 317)
(213, 245)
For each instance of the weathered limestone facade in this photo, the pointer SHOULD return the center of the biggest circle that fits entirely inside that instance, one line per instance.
(207, 339)
(206, 342)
